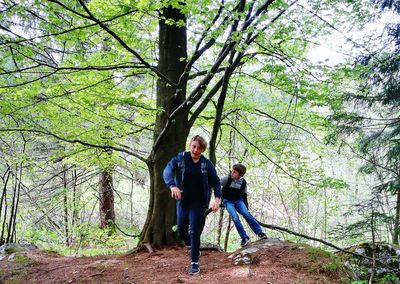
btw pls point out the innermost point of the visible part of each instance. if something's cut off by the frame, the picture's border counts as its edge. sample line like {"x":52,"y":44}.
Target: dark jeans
{"x":189,"y":218}
{"x":235,"y":207}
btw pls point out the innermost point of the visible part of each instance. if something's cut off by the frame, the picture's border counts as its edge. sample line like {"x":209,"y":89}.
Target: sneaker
{"x":262,"y":235}
{"x":245,"y":241}
{"x":194,"y":268}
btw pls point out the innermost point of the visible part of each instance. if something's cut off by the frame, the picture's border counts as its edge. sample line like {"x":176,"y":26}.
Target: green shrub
{"x":85,"y":239}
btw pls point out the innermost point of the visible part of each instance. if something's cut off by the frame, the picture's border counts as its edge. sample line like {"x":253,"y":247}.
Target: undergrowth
{"x":84,"y":241}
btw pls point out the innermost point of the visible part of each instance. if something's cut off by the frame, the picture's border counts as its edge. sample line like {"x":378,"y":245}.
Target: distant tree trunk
{"x":221,"y":215}
{"x":11,"y":230}
{"x":213,"y":144}
{"x":74,"y":197}
{"x":373,"y":268}
{"x":220,"y":225}
{"x":131,"y":198}
{"x":107,"y":214}
{"x":397,"y":220}
{"x":325,"y":229}
{"x":65,"y":201}
{"x":228,"y":229}
{"x":220,"y":105}
{"x":9,"y":223}
{"x":161,"y":217}
{"x":3,"y":201}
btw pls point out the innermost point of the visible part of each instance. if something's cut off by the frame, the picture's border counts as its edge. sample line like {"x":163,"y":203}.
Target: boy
{"x":234,"y":198}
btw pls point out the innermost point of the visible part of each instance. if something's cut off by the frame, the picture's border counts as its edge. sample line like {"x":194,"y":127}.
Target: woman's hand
{"x":216,"y":204}
{"x":176,"y":193}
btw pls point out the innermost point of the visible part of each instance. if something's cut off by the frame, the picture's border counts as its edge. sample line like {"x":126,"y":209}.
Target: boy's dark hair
{"x":241,"y":169}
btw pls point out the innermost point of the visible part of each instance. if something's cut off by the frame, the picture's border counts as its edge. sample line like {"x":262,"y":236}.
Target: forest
{"x":96,"y":97}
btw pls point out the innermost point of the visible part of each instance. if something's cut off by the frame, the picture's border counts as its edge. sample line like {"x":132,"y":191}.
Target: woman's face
{"x":196,"y":150}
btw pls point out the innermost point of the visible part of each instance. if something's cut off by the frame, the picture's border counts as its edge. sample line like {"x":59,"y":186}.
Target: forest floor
{"x":273,"y":262}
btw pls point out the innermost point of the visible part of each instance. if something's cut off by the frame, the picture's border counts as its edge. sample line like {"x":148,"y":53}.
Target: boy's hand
{"x":216,"y":204}
{"x":176,"y":193}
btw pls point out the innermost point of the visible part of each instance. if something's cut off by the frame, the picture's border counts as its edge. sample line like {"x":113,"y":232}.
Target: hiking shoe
{"x":194,"y":268}
{"x":262,"y":235}
{"x":245,"y":242}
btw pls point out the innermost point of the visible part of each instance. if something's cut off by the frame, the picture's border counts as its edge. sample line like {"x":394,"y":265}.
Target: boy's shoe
{"x":245,"y":241}
{"x":262,"y":235}
{"x":194,"y":268}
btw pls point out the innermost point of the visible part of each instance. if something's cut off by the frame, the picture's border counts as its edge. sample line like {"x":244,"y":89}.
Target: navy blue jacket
{"x":174,"y":174}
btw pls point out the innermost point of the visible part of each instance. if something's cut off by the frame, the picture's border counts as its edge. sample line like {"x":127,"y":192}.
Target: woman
{"x":190,"y":176}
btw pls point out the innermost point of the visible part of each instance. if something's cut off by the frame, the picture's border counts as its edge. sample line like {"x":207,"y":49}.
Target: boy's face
{"x":196,"y":150}
{"x":235,"y":175}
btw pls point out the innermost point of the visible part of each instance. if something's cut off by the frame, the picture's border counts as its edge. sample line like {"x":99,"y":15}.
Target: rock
{"x":249,"y":250}
{"x":210,"y":246}
{"x":12,"y":256}
{"x":387,"y":254}
{"x":269,"y":242}
{"x":241,"y":259}
{"x":247,"y":254}
{"x":11,"y":248}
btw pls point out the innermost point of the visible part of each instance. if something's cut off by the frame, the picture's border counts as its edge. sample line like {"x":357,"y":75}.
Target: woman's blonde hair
{"x":201,"y":140}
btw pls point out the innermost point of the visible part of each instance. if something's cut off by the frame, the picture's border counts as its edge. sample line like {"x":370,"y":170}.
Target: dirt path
{"x":273,"y":263}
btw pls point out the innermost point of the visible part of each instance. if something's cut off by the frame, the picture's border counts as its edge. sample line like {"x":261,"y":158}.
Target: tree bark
{"x":107,"y":213}
{"x":220,"y":225}
{"x":228,"y":229}
{"x":74,"y":197}
{"x":373,"y":268}
{"x":14,"y":205}
{"x":3,"y":200}
{"x":397,"y":220}
{"x":65,"y":202}
{"x":170,"y":134}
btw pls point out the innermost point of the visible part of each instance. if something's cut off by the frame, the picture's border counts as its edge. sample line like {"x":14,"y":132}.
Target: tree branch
{"x":76,"y":141}
{"x":285,"y":123}
{"x":125,"y":45}
{"x":273,"y":227}
{"x":265,"y":155}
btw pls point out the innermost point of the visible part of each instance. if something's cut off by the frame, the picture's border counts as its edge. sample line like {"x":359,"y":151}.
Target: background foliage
{"x":78,"y":97}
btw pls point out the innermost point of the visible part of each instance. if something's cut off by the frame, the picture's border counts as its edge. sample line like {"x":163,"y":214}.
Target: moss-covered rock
{"x":387,"y":259}
{"x":8,"y":249}
{"x":14,"y":262}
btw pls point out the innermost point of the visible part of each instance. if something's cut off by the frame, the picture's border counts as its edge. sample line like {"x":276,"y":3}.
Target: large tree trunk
{"x":107,"y":213}
{"x":170,"y":134}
